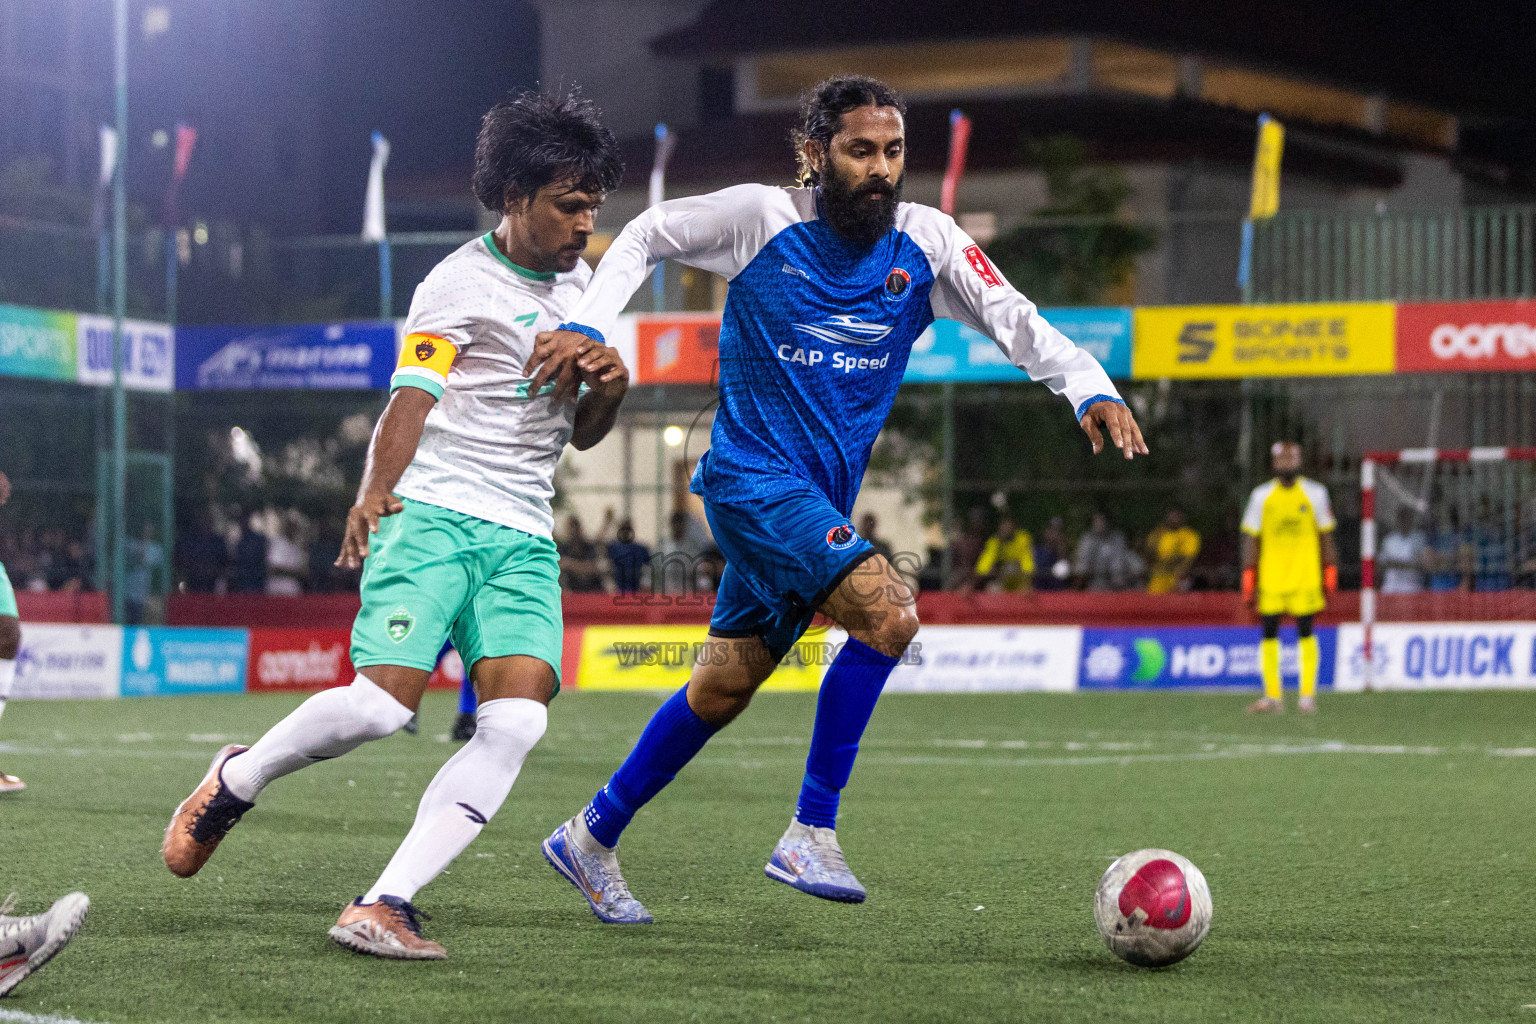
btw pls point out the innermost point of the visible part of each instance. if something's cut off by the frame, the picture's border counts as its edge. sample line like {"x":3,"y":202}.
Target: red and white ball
{"x":1153,"y":908}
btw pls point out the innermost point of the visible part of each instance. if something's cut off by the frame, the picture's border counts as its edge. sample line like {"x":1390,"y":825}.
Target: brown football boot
{"x":11,"y":784}
{"x":1266,"y":706}
{"x":203,"y":819}
{"x":390,"y":928}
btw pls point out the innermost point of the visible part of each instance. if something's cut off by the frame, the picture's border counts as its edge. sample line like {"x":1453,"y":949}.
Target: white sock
{"x":329,"y":724}
{"x":7,"y":677}
{"x":466,"y":794}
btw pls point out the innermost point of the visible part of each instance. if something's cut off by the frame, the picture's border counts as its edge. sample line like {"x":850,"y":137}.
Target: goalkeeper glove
{"x":1331,"y":579}
{"x":1250,"y":578}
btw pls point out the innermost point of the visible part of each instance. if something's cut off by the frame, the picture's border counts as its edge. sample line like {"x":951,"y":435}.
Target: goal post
{"x":1448,"y":542}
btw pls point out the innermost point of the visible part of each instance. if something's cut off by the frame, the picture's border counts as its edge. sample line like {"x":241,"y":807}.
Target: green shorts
{"x":433,"y":574}
{"x":7,"y":596}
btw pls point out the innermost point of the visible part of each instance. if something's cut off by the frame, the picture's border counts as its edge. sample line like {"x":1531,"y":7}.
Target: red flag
{"x":186,"y":138}
{"x":959,"y":139}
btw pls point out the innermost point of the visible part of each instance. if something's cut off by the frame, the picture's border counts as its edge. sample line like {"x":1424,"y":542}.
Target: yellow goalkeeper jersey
{"x":1288,"y":521}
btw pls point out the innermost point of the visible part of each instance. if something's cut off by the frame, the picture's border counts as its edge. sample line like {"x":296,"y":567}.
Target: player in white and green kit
{"x":452,"y":523}
{"x":10,"y":642}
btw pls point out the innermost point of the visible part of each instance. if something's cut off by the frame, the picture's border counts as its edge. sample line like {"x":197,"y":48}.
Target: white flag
{"x":664,"y":143}
{"x":108,"y":154}
{"x":373,"y":206}
{"x":104,"y":183}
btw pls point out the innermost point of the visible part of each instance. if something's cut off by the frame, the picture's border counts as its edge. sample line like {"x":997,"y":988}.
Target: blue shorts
{"x":783,"y":555}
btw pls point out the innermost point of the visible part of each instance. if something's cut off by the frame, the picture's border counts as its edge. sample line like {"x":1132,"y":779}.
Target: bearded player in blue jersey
{"x":830,"y":284}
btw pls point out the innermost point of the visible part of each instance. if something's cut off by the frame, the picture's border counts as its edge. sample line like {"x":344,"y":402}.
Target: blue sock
{"x":847,"y":699}
{"x":467,"y":702}
{"x":671,"y":738}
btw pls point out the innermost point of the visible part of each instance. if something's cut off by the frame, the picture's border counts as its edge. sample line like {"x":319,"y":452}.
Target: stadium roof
{"x":1473,"y":57}
{"x":1118,"y":128}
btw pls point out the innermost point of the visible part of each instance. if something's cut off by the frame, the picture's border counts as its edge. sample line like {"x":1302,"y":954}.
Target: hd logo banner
{"x":1191,"y":656}
{"x":1297,"y":340}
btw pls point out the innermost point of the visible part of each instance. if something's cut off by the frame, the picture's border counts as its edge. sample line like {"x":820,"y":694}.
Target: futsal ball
{"x":1153,"y":908}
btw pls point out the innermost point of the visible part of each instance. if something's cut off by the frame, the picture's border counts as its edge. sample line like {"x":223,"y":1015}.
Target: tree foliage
{"x":1076,"y":262}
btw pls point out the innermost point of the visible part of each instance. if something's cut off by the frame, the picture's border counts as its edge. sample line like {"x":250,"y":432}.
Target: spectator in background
{"x":869,"y":529}
{"x":680,"y":558}
{"x":203,"y":556}
{"x":966,"y":549}
{"x":71,"y":570}
{"x":250,"y":558}
{"x":145,"y":557}
{"x":1402,"y":557}
{"x":1490,"y":550}
{"x":579,"y":569}
{"x":627,"y":557}
{"x":1103,"y":560}
{"x":1007,"y":560}
{"x":1446,"y":556}
{"x":325,"y":577}
{"x":1171,"y":550}
{"x":1052,"y":567}
{"x":285,"y":557}
{"x":1525,"y":557}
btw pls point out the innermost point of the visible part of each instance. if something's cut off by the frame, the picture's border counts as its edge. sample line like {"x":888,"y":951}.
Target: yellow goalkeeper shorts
{"x":1307,"y":601}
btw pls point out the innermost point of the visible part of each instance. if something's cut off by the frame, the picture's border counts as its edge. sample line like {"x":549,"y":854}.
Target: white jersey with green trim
{"x":487,"y":450}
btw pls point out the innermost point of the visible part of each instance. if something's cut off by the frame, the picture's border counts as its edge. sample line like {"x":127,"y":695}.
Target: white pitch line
{"x":22,"y":1017}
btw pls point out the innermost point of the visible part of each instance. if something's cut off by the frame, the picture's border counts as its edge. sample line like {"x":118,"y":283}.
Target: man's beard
{"x":860,"y":220}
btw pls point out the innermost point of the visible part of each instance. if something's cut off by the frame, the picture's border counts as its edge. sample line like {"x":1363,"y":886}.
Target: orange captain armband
{"x":425,"y":360}
{"x":1331,"y":579}
{"x":1250,"y":580}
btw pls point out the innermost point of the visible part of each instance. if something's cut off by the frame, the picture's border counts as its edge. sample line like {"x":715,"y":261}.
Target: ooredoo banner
{"x":1459,"y":337}
{"x":299,"y":659}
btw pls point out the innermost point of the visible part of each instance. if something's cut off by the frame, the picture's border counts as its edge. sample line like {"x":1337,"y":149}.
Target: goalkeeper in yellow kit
{"x":1289,"y":563}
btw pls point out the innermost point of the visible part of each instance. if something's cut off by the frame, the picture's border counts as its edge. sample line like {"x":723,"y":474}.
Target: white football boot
{"x":26,"y":943}
{"x":811,"y":860}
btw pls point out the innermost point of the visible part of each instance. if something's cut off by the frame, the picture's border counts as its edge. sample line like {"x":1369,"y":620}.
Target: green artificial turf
{"x":1372,"y":863}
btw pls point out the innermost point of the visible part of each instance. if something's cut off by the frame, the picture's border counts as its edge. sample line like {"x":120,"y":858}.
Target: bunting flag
{"x":186,"y":138}
{"x":1266,"y":169}
{"x":373,"y":205}
{"x":104,"y":182}
{"x":959,"y":141}
{"x":1265,"y":200}
{"x":664,"y":143}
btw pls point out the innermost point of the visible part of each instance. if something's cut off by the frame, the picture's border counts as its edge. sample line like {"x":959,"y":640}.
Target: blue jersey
{"x":816,"y":333}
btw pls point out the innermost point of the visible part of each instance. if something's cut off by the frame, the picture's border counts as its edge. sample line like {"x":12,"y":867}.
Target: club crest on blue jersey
{"x":841,"y":538}
{"x":897,"y":282}
{"x":846,"y":329}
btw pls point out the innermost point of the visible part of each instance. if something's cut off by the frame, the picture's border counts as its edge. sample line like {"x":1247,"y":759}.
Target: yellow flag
{"x":1266,"y":169}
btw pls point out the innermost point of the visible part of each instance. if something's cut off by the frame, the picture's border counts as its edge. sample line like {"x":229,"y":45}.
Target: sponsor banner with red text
{"x":1461,"y":337}
{"x":299,"y":659}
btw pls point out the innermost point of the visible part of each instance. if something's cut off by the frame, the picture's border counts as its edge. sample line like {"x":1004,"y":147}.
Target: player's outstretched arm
{"x":607,"y":380}
{"x":390,"y":451}
{"x":1117,"y":420}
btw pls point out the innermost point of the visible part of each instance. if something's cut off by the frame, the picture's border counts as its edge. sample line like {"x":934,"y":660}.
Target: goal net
{"x":1448,"y":571}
